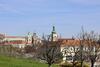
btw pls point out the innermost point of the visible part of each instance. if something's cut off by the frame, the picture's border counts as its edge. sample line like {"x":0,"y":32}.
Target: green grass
{"x":16,"y":62}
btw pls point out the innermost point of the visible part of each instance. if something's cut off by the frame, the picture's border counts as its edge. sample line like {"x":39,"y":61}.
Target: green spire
{"x":53,"y":29}
{"x":53,"y":34}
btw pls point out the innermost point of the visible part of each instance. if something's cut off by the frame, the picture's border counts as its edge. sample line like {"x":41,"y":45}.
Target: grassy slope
{"x":14,"y":62}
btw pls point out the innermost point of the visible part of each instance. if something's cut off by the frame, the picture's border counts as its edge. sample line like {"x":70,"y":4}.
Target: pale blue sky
{"x":17,"y":17}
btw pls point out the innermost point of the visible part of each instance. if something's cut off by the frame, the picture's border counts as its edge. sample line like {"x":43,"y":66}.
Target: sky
{"x":17,"y":17}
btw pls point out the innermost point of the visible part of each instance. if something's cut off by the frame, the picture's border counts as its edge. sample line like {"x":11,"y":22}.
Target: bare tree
{"x":89,"y":47}
{"x":93,"y":47}
{"x":75,"y":52}
{"x":49,"y":51}
{"x":82,"y":53}
{"x":2,"y":39}
{"x":72,"y":51}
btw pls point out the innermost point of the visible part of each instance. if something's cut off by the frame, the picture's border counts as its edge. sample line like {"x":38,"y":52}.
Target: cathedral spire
{"x":53,"y":31}
{"x":54,"y":34}
{"x":53,"y":28}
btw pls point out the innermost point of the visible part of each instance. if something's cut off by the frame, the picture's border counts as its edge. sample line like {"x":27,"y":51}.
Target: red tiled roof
{"x":67,"y":42}
{"x":14,"y":36}
{"x":66,"y":39}
{"x":16,"y":42}
{"x":75,"y":42}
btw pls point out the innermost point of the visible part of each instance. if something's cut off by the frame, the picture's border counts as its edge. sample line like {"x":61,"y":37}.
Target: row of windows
{"x":76,"y":48}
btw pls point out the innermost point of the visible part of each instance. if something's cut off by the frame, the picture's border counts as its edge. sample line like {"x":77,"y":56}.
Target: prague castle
{"x":68,"y":46}
{"x":19,"y":41}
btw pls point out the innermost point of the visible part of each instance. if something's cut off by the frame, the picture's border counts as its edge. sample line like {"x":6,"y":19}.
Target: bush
{"x":79,"y":65}
{"x":66,"y":64}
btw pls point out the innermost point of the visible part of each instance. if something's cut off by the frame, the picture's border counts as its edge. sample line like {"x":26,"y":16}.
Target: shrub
{"x":79,"y":65}
{"x":66,"y":64}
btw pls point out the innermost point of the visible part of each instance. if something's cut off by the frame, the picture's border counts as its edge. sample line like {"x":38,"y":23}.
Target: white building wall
{"x":11,"y":39}
{"x":69,"y":52}
{"x":19,"y":45}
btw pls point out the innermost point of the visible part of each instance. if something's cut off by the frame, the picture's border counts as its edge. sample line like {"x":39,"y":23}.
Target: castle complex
{"x":19,"y":41}
{"x":68,"y":46}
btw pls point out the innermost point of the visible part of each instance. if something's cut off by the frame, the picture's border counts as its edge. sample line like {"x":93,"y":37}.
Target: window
{"x":68,"y":57}
{"x":71,"y":48}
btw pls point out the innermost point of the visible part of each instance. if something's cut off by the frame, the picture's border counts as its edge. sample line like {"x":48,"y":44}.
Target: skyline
{"x":17,"y":17}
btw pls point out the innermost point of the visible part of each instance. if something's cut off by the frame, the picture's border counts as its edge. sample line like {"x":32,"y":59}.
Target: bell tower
{"x":54,"y":35}
{"x":29,"y":38}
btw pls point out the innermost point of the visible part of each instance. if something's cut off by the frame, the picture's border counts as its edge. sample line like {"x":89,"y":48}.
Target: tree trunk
{"x":49,"y":65}
{"x":74,"y":64}
{"x":92,"y":64}
{"x":81,"y":63}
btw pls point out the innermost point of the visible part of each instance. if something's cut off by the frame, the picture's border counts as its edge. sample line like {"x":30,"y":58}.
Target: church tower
{"x":54,"y":35}
{"x":29,"y":38}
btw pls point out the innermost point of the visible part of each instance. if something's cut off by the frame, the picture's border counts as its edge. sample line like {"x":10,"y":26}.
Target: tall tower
{"x":29,"y":38}
{"x":54,"y":35}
